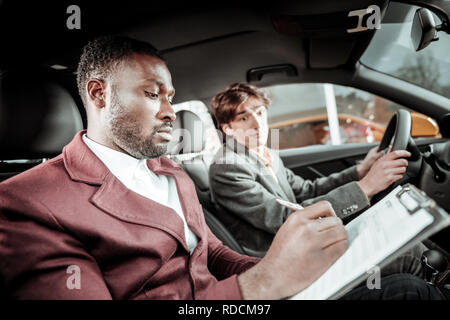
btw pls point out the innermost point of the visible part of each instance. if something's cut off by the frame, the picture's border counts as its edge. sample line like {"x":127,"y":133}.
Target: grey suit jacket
{"x":245,"y":192}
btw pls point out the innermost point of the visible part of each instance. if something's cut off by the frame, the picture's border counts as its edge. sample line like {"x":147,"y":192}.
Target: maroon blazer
{"x":71,"y":211}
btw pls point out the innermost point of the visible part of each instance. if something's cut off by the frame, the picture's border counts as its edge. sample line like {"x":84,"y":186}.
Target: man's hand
{"x":302,"y":250}
{"x":372,"y":156}
{"x":384,"y":172}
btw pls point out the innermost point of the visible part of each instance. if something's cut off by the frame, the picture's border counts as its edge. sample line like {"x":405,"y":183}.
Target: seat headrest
{"x":188,"y":134}
{"x":37,"y":117}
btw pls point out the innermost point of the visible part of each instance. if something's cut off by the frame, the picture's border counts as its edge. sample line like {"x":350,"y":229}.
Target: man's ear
{"x":96,"y":92}
{"x":227,"y":129}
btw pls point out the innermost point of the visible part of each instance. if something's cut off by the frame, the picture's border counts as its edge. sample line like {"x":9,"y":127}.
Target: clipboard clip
{"x":413,"y":199}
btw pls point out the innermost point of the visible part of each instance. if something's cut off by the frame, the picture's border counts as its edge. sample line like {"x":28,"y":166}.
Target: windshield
{"x":391,"y":51}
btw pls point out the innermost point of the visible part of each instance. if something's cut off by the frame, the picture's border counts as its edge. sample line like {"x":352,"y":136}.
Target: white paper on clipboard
{"x":375,"y":235}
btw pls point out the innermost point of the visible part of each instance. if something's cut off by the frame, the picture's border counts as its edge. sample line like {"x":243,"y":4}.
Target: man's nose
{"x":166,"y":112}
{"x":256,"y":122}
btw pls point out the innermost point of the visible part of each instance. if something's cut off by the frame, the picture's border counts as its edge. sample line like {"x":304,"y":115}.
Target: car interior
{"x":208,"y":47}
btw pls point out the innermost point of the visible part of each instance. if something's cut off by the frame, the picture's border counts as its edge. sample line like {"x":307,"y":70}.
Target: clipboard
{"x":416,"y":202}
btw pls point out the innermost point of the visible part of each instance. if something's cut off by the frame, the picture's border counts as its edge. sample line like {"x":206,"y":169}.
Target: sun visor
{"x":334,"y":36}
{"x":330,"y":53}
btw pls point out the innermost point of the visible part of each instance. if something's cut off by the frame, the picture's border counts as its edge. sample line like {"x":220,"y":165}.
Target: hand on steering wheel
{"x":384,"y":172}
{"x":398,"y":135}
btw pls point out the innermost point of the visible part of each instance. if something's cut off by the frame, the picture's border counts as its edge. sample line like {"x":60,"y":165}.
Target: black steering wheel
{"x":398,"y":135}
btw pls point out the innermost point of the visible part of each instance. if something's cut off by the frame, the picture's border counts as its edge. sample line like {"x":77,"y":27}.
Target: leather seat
{"x":186,"y":148}
{"x":38,"y":118}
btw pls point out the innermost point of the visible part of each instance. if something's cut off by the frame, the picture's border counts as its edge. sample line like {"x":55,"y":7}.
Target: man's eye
{"x":151,"y":94}
{"x":244,"y":119}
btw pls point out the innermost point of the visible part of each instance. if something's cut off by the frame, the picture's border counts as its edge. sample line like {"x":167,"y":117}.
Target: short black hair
{"x":101,"y":55}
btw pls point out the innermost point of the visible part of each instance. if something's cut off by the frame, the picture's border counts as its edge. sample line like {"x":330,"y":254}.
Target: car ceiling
{"x":207,"y":46}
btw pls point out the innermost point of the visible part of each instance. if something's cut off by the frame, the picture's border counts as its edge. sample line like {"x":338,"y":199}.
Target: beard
{"x":124,"y":130}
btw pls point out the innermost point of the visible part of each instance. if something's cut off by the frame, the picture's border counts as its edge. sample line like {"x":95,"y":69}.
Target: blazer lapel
{"x":281,"y":175}
{"x":187,"y":194}
{"x":119,"y":201}
{"x":278,"y":187}
{"x":113,"y":197}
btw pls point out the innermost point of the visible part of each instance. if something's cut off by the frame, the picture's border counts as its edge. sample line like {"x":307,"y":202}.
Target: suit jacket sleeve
{"x":235,"y":188}
{"x":340,"y":189}
{"x":225,"y":264}
{"x":36,"y":256}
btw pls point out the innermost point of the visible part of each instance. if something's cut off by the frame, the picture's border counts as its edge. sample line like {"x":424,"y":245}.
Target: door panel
{"x":316,"y":161}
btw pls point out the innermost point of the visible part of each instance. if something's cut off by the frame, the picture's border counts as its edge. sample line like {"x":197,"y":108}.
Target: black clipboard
{"x":441,"y":219}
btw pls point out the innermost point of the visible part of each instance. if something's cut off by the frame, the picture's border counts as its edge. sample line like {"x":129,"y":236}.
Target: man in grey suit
{"x":246,"y":177}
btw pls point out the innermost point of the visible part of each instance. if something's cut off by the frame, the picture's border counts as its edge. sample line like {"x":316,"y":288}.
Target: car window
{"x":428,"y":68}
{"x":310,"y":114}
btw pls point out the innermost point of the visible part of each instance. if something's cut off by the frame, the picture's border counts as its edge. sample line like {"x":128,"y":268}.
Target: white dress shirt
{"x":136,"y":176}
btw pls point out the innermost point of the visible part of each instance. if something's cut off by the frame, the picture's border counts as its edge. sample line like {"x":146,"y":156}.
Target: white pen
{"x":290,"y":205}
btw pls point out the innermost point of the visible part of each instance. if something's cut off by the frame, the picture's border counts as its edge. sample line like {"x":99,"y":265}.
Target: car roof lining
{"x":168,"y":27}
{"x":226,"y":38}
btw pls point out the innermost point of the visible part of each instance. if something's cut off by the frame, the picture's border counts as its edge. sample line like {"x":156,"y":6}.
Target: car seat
{"x":38,"y":118}
{"x":187,"y":149}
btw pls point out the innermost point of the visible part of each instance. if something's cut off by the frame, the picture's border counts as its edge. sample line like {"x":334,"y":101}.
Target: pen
{"x":290,"y":205}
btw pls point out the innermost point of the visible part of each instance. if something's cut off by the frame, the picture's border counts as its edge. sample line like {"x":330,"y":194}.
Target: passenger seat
{"x":186,"y":148}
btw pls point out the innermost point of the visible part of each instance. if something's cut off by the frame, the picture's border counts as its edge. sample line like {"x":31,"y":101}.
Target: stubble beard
{"x":123,"y":129}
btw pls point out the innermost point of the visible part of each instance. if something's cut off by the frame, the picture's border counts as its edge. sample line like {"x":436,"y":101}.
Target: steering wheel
{"x":398,"y":135}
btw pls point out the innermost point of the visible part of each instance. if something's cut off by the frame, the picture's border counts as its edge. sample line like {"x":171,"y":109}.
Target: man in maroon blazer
{"x":112,"y":218}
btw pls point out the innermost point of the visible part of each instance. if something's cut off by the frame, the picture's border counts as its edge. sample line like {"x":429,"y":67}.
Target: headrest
{"x":188,"y":134}
{"x":37,"y":117}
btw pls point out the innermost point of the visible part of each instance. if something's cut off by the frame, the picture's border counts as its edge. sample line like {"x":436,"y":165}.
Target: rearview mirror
{"x":423,"y":30}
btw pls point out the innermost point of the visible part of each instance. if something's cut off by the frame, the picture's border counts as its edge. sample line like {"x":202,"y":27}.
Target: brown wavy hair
{"x":225,"y":103}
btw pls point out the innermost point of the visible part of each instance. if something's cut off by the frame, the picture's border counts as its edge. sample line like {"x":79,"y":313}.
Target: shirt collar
{"x":120,"y":164}
{"x":263,"y":153}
